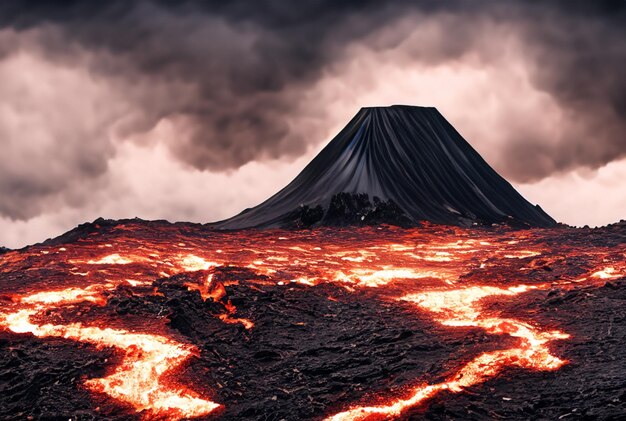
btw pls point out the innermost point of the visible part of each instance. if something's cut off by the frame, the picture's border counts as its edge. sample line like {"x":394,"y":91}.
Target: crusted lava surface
{"x":150,"y":320}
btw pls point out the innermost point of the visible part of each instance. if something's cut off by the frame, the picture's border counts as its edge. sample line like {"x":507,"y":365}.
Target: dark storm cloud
{"x":579,"y":53}
{"x":230,"y":75}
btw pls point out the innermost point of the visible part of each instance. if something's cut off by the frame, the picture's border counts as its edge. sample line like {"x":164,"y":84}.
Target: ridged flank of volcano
{"x":405,"y":156}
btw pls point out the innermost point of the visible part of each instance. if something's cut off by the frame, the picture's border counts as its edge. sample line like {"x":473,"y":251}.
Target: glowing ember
{"x":607,"y":273}
{"x":376,"y":278}
{"x":111,"y":259}
{"x":215,"y":291}
{"x":192,"y":263}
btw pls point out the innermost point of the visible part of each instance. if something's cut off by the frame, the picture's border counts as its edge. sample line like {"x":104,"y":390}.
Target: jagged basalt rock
{"x":347,"y":209}
{"x":356,"y":209}
{"x":305,"y":216}
{"x":411,"y":163}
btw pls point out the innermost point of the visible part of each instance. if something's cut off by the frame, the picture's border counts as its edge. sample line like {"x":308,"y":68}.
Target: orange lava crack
{"x":139,"y":379}
{"x":214,"y":290}
{"x":442,"y":273}
{"x":461,"y":308}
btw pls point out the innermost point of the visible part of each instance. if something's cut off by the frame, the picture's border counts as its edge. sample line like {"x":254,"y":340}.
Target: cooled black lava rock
{"x":83,"y":231}
{"x":317,"y":350}
{"x":408,"y":158}
{"x":350,"y":209}
{"x":4,"y":250}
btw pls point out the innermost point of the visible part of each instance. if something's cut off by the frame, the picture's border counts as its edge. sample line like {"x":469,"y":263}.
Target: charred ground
{"x":319,"y":347}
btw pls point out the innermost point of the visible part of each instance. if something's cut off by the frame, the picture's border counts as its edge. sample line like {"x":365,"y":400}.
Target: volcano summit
{"x":142,"y":320}
{"x":400,"y":165}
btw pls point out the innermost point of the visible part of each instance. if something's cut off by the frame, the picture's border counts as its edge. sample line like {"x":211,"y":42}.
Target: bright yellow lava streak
{"x":140,"y":379}
{"x":460,"y":307}
{"x":410,"y":261}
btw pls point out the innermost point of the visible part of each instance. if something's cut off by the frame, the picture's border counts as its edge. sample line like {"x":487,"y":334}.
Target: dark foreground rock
{"x":347,"y":209}
{"x":317,"y":349}
{"x":308,"y":355}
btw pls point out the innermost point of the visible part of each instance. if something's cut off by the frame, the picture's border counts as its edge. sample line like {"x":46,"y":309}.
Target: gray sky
{"x":189,"y":112}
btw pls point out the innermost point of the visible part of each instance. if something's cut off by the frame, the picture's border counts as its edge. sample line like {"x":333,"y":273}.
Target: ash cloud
{"x":231,"y":79}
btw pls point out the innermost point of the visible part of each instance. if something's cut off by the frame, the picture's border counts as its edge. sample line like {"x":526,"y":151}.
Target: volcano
{"x":149,"y":320}
{"x":400,"y":165}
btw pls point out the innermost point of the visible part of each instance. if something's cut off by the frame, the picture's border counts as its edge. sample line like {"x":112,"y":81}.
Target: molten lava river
{"x":151,"y":320}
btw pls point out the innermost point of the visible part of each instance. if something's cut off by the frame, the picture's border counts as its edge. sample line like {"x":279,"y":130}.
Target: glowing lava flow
{"x":140,"y":379}
{"x":215,"y":291}
{"x":460,"y":308}
{"x":412,"y":265}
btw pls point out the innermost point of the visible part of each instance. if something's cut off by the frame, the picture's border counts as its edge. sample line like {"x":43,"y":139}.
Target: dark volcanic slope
{"x":406,"y":156}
